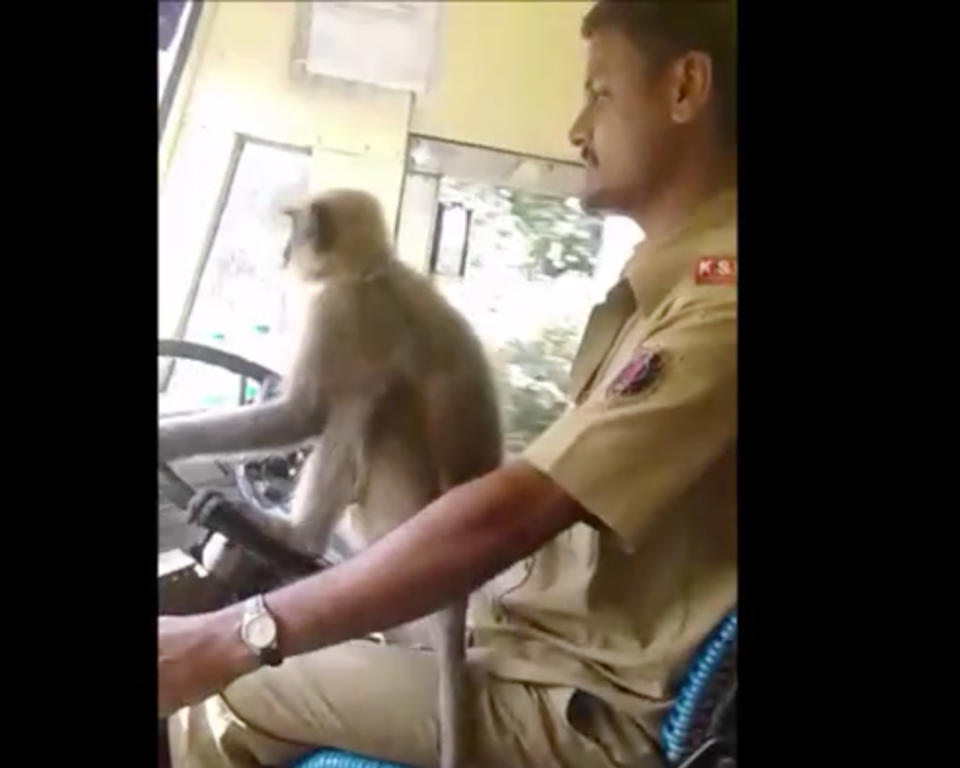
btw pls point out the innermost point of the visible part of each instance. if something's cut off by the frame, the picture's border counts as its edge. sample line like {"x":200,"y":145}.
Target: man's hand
{"x":197,"y":656}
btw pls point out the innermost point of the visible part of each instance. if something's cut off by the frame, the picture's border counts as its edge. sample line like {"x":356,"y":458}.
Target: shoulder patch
{"x":638,"y":374}
{"x":716,"y":270}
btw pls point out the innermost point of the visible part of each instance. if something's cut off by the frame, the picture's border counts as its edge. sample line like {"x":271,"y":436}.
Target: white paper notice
{"x":386,"y":44}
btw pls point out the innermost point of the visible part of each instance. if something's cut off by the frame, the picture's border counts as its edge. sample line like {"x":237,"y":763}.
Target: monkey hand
{"x":236,"y":520}
{"x":208,"y":506}
{"x":259,"y":534}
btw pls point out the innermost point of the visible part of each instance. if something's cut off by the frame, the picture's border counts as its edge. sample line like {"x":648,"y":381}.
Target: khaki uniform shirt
{"x":650,"y":451}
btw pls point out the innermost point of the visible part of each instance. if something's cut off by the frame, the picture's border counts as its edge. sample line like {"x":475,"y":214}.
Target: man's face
{"x":624,"y":129}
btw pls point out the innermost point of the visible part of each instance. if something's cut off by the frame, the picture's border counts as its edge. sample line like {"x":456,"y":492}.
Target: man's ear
{"x":692,"y":86}
{"x":323,"y":226}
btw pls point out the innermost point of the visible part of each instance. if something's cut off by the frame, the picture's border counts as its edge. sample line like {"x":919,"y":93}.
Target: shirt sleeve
{"x":625,"y":453}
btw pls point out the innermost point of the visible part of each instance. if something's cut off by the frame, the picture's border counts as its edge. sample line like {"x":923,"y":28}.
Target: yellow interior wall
{"x":508,"y":76}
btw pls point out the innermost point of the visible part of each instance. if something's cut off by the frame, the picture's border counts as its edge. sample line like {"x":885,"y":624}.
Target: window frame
{"x":240,"y":141}
{"x":191,"y":12}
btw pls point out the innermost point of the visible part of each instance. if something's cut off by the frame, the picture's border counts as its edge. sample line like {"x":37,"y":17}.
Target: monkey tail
{"x":455,"y":712}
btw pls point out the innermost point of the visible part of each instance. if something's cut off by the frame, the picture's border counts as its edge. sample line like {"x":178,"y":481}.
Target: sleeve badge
{"x":716,"y":270}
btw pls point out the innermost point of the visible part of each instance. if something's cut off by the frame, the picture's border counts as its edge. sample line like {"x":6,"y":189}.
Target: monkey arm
{"x":485,"y":525}
{"x":277,"y":423}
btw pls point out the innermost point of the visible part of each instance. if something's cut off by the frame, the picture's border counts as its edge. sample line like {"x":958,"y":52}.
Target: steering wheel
{"x":253,"y":477}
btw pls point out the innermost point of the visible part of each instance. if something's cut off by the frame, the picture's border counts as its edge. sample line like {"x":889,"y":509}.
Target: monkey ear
{"x":324,"y":228}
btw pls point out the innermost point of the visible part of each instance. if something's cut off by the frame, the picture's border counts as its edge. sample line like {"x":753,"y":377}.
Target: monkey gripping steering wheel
{"x":265,"y":483}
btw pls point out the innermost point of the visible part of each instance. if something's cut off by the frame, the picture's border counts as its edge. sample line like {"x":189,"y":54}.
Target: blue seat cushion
{"x":335,"y":758}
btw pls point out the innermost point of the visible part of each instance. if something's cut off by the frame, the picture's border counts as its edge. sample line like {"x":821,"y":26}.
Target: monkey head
{"x":340,"y":232}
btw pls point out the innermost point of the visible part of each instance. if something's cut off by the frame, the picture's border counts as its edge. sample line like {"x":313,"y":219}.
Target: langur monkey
{"x":393,"y":387}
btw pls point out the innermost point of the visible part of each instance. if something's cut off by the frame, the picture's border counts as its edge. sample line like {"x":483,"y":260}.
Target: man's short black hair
{"x":663,"y":29}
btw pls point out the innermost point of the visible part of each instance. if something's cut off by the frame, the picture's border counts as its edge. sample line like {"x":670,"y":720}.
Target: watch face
{"x":260,"y":632}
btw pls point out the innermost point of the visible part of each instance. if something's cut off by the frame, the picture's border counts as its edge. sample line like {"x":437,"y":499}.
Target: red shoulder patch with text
{"x":638,"y":374}
{"x":716,"y":270}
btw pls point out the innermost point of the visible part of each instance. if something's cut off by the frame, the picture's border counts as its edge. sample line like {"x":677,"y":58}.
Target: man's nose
{"x":578,"y":131}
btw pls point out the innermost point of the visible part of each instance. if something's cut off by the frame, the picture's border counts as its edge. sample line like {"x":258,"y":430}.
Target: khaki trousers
{"x":381,"y":701}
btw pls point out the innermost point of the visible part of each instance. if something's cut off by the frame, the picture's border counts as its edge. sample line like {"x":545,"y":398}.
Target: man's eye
{"x":595,"y":95}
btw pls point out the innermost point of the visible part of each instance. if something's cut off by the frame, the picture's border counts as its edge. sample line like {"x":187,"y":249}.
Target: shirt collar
{"x":657,"y":266}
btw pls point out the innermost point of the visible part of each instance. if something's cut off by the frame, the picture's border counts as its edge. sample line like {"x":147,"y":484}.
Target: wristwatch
{"x":259,"y":631}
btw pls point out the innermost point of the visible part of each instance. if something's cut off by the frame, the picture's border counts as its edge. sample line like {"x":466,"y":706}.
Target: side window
{"x":240,"y":304}
{"x":508,"y":245}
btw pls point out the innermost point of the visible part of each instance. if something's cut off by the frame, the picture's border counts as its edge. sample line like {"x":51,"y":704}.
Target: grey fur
{"x":397,"y":385}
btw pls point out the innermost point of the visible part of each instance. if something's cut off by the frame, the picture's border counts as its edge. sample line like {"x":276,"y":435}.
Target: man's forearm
{"x":446,"y":551}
